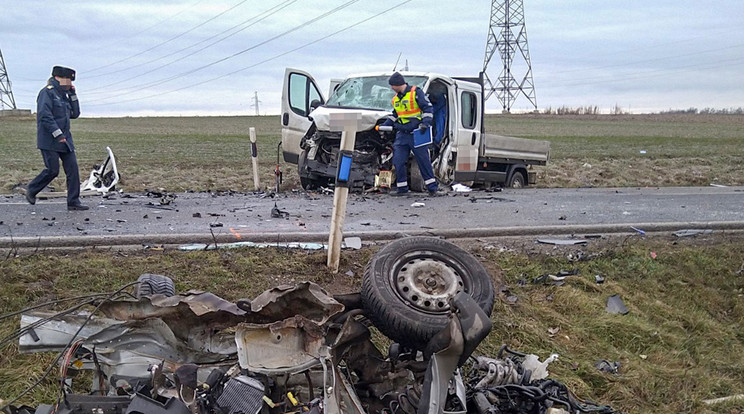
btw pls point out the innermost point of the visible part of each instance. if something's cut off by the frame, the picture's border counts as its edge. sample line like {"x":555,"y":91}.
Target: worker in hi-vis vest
{"x":411,"y":111}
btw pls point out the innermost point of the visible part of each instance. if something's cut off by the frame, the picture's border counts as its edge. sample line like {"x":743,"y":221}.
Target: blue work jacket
{"x":54,"y":109}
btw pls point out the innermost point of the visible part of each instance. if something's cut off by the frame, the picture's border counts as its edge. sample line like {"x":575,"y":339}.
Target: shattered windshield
{"x":368,"y":92}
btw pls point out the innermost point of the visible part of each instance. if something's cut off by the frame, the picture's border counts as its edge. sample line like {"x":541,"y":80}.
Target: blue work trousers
{"x":403,"y":146}
{"x":51,"y":162}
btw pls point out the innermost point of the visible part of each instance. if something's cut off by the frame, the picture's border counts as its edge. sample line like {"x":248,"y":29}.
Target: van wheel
{"x":408,"y":284}
{"x":151,"y":284}
{"x":517,"y":180}
{"x":416,"y":182}
{"x":305,"y":181}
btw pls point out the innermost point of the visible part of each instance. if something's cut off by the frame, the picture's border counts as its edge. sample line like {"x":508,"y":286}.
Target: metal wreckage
{"x":296,"y":349}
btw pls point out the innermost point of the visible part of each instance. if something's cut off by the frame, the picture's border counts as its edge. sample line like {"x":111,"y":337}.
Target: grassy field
{"x":213,"y":153}
{"x":681,"y":343}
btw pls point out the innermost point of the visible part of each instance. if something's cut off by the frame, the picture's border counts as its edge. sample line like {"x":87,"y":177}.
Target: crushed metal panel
{"x":53,"y":335}
{"x":292,"y":345}
{"x":285,"y":301}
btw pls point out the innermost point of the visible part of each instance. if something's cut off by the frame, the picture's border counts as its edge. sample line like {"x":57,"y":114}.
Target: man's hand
{"x":72,"y":89}
{"x":423,"y":127}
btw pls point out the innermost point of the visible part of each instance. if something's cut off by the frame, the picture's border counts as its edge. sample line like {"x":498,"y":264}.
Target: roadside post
{"x":347,"y":123}
{"x":254,"y":158}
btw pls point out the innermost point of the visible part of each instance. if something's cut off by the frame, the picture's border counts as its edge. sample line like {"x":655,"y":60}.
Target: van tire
{"x":518,"y":179}
{"x":151,"y":284}
{"x":396,"y":280}
{"x":305,"y":182}
{"x":416,"y":182}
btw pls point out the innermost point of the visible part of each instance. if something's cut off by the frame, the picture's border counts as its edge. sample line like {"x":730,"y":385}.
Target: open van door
{"x":300,"y":95}
{"x":468,"y":129}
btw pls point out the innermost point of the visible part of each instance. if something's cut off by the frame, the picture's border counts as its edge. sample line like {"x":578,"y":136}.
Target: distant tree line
{"x":617,"y":110}
{"x":706,"y":111}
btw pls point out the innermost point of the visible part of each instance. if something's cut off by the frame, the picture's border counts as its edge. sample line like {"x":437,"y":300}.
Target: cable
{"x":59,"y":355}
{"x":263,"y":61}
{"x":293,"y":29}
{"x":53,"y":302}
{"x":269,"y":12}
{"x":164,"y":42}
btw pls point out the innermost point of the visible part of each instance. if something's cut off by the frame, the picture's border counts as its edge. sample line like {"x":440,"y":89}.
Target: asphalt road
{"x":142,"y":219}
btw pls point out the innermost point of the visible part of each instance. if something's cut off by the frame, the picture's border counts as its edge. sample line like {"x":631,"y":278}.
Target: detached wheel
{"x":150,"y":284}
{"x":408,"y":284}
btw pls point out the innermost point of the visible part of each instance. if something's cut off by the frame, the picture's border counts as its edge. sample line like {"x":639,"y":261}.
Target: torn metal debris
{"x":297,"y":348}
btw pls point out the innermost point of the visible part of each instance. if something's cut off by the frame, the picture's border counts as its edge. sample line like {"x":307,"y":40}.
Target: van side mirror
{"x":314,"y":104}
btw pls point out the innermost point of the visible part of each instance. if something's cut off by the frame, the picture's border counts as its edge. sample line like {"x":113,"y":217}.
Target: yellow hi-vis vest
{"x":406,"y":107}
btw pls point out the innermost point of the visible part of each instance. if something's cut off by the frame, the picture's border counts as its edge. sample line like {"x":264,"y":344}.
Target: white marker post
{"x":348,"y":123}
{"x":254,"y":158}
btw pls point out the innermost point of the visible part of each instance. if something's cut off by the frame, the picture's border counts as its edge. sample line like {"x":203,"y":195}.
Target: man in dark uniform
{"x":56,"y":104}
{"x":411,"y":110}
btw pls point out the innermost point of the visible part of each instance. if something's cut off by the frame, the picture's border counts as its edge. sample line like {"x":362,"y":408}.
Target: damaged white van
{"x":461,"y":152}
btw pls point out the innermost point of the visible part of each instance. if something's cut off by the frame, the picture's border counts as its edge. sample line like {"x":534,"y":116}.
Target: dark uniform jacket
{"x":54,"y":109}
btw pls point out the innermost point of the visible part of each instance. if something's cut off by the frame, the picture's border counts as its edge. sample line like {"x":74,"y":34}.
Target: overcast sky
{"x":209,"y":57}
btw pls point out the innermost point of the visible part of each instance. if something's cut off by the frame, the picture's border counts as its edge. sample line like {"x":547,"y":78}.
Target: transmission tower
{"x":507,"y":34}
{"x":6,"y":93}
{"x":255,"y":101}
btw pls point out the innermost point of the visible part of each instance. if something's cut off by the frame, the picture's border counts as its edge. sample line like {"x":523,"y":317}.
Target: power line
{"x":258,"y":18}
{"x":189,"y":7}
{"x":265,"y":60}
{"x":163,"y":42}
{"x":192,"y":71}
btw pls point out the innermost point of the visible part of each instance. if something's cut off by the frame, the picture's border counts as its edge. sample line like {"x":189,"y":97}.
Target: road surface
{"x":142,"y":219}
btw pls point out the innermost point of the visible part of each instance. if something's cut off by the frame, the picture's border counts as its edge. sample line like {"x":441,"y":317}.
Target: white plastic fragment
{"x":460,"y":188}
{"x":539,"y":369}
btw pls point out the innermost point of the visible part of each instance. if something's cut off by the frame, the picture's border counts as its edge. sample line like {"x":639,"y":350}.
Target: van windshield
{"x":368,"y":92}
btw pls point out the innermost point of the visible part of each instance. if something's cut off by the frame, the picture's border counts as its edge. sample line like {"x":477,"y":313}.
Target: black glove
{"x":423,"y":127}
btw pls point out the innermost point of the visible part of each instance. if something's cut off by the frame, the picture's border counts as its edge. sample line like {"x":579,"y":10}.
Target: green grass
{"x":176,"y":154}
{"x":681,"y":343}
{"x":213,"y":153}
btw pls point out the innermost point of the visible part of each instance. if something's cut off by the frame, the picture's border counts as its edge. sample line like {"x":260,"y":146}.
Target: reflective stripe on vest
{"x":406,"y":107}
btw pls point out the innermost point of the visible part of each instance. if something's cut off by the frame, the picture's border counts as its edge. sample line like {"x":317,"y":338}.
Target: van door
{"x":299,"y":93}
{"x":468,"y":121}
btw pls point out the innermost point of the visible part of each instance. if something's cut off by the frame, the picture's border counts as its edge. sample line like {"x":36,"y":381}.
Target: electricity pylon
{"x":507,"y":34}
{"x":6,"y":93}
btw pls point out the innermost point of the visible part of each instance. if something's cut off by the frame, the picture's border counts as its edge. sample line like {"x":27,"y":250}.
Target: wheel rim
{"x":427,"y":284}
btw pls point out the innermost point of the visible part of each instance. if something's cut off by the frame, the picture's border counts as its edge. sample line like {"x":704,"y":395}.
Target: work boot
{"x":77,"y":207}
{"x":31,"y":199}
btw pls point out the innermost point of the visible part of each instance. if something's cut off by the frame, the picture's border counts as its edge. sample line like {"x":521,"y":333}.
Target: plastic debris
{"x":599,"y":279}
{"x":353,"y":243}
{"x":615,"y":305}
{"x":607,"y":366}
{"x":692,"y":232}
{"x":276,"y":213}
{"x":565,"y":242}
{"x":641,"y":232}
{"x":418,"y":204}
{"x":460,"y":188}
{"x":539,"y":369}
{"x":237,"y":245}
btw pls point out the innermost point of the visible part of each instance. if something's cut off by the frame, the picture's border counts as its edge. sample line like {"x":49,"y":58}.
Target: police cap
{"x":63,"y":72}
